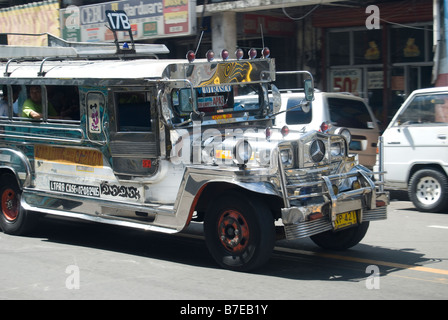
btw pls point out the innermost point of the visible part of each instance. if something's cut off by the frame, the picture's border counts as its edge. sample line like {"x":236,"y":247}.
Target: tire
{"x":239,"y":232}
{"x":341,"y":240}
{"x":13,"y":218}
{"x":428,"y":190}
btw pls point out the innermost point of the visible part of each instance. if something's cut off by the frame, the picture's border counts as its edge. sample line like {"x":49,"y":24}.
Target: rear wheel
{"x":341,"y":240}
{"x":239,"y":232}
{"x":428,"y":190}
{"x":13,"y":218}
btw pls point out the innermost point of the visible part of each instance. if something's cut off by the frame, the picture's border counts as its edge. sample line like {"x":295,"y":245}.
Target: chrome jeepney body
{"x":169,"y":174}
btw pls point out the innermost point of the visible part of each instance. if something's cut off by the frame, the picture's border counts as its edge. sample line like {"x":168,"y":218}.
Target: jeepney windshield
{"x":218,"y":99}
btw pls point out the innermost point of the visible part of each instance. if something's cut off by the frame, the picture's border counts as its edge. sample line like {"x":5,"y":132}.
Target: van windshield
{"x":218,"y":99}
{"x":349,"y":113}
{"x":432,"y":108}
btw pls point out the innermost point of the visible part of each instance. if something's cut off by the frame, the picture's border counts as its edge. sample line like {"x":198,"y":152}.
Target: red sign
{"x":175,"y":15}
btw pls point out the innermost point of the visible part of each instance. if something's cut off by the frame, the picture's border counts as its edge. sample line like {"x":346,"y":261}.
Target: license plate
{"x":346,"y":219}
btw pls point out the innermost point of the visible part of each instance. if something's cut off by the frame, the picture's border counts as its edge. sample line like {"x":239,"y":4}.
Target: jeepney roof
{"x":89,"y":69}
{"x":85,"y":61}
{"x":200,"y":72}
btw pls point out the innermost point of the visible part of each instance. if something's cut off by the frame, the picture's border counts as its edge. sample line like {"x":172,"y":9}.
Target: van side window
{"x":349,"y":113}
{"x":133,"y":111}
{"x":426,"y":109}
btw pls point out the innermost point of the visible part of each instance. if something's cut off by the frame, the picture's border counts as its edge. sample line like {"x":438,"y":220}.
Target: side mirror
{"x":309,"y":89}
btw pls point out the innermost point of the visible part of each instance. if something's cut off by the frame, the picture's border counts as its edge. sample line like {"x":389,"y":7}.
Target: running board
{"x":99,"y":219}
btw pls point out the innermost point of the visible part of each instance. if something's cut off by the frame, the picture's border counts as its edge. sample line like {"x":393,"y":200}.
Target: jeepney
{"x":156,"y":144}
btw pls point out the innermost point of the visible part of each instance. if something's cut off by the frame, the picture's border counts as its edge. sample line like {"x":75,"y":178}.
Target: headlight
{"x":242,"y":152}
{"x":336,"y":149}
{"x":345,"y":133}
{"x":286,"y":156}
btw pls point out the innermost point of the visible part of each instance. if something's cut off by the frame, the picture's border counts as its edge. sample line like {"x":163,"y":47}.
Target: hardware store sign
{"x":149,"y":20}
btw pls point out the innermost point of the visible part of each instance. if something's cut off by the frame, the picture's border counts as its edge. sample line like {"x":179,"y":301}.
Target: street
{"x":404,"y":257}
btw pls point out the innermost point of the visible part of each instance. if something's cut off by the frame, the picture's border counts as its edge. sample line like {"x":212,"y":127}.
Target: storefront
{"x":384,"y":64}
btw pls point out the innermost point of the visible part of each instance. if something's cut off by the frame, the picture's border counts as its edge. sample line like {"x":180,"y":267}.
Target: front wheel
{"x":239,"y":232}
{"x":428,"y":190}
{"x":341,"y":240}
{"x":13,"y":218}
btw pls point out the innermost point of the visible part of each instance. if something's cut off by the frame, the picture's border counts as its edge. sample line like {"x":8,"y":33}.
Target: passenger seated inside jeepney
{"x":4,"y":101}
{"x":32,"y":107}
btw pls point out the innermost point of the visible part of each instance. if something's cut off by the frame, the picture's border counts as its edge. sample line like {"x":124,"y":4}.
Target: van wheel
{"x":428,"y":190}
{"x":239,"y":232}
{"x":341,"y":240}
{"x":13,"y":218}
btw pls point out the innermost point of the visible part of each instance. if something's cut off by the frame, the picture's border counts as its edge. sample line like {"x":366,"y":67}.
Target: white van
{"x":339,"y":109}
{"x":416,"y":149}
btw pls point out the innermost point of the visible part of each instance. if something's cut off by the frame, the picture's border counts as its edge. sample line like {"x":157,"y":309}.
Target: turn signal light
{"x":266,"y":52}
{"x":325,"y":126}
{"x":239,"y":53}
{"x":224,"y":54}
{"x":210,"y":55}
{"x":252,"y":53}
{"x":190,"y":56}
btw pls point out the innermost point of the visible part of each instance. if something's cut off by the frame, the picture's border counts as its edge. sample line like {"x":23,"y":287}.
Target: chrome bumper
{"x":318,"y":212}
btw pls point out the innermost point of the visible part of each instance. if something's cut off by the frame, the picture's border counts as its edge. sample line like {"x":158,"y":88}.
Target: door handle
{"x":441,"y":136}
{"x":394,"y":142}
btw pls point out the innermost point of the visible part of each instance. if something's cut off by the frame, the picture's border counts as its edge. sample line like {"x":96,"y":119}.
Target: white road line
{"x":438,"y":227}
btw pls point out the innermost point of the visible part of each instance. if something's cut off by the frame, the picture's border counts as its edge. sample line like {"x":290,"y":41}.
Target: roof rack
{"x":59,"y":49}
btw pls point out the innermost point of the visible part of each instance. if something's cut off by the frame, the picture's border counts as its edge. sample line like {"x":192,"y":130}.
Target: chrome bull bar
{"x":316,"y":216}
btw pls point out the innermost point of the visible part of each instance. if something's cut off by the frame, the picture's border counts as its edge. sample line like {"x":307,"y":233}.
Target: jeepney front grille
{"x":307,"y":178}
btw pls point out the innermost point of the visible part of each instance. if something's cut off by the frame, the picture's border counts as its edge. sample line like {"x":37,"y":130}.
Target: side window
{"x":349,"y":113}
{"x":62,"y":103}
{"x":5,"y":99}
{"x":32,"y":106}
{"x":133,"y":111}
{"x":425,"y":109}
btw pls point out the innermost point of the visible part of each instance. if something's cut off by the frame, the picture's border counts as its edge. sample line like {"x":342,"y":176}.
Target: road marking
{"x":438,"y":227}
{"x":362,"y":260}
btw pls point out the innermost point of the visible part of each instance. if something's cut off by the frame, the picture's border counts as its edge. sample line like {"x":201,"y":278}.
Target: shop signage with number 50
{"x":346,"y":80}
{"x":118,"y":20}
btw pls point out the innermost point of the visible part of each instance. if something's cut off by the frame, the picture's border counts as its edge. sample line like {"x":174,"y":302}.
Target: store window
{"x":410,"y":44}
{"x":339,"y":48}
{"x":367,"y":46}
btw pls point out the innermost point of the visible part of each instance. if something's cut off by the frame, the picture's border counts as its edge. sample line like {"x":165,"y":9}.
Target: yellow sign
{"x":32,"y":18}
{"x":70,"y":156}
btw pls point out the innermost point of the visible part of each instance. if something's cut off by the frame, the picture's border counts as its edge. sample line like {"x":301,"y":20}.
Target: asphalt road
{"x":404,"y":257}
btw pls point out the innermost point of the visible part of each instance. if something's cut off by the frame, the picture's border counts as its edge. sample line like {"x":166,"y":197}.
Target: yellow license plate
{"x":346,"y":219}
